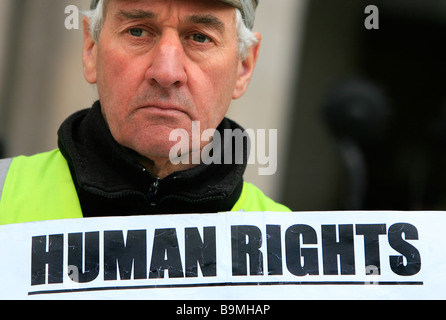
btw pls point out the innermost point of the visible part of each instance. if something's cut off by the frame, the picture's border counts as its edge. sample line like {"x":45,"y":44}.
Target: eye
{"x":201,"y":38}
{"x":136,"y":32}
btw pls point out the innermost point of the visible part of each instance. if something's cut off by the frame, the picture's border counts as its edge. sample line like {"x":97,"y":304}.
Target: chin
{"x":154,"y":149}
{"x":152,"y":144}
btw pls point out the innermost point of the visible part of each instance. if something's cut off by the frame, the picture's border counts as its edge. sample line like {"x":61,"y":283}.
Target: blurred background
{"x":360,"y":114}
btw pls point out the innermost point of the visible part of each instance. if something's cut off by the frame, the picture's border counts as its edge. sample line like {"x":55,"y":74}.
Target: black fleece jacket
{"x":110,"y":182}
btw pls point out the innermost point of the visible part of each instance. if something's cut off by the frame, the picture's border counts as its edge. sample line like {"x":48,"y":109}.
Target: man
{"x":159,"y":66}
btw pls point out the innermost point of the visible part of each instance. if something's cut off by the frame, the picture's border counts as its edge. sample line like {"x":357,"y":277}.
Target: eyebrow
{"x":205,"y":19}
{"x":136,"y":14}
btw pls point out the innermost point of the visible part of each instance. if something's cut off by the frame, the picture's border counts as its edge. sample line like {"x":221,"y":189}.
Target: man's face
{"x":161,"y":64}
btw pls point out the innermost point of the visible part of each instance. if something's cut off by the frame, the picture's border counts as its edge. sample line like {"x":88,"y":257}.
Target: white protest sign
{"x":238,"y":255}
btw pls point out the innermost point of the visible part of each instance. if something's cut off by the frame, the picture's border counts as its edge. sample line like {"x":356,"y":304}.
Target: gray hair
{"x":244,"y":25}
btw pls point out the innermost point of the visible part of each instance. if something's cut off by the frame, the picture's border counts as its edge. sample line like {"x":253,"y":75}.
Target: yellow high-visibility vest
{"x":41,"y":187}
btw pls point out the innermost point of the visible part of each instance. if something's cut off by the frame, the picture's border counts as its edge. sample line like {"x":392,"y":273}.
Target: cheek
{"x":219,"y":84}
{"x":112,"y":69}
{"x":117,"y":81}
{"x":114,"y":93}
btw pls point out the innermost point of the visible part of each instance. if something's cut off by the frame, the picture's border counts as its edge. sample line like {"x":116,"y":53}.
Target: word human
{"x":124,"y":258}
{"x":254,"y":251}
{"x":234,"y":142}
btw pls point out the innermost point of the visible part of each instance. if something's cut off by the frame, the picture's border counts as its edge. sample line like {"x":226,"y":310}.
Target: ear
{"x":89,"y":53}
{"x":246,"y":69}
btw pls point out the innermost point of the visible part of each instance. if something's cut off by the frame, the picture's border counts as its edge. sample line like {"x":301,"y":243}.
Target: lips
{"x":162,"y":108}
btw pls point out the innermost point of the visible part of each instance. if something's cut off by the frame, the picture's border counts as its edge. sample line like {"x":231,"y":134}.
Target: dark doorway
{"x":404,"y":60}
{"x":407,"y":59}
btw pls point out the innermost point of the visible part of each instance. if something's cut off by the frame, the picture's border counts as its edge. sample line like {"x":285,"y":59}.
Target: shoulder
{"x":36,"y":166}
{"x":253,"y":199}
{"x":38,"y":187}
{"x":25,"y":170}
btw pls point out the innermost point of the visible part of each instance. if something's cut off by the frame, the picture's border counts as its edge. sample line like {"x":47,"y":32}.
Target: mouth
{"x":163,"y":108}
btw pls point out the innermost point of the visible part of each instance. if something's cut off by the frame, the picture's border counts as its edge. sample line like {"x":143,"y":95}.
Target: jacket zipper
{"x":153,"y":191}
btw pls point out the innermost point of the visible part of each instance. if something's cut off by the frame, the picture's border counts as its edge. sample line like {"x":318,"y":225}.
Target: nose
{"x":168,"y":57}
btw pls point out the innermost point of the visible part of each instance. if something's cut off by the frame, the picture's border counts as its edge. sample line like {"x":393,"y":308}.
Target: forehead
{"x":156,"y":9}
